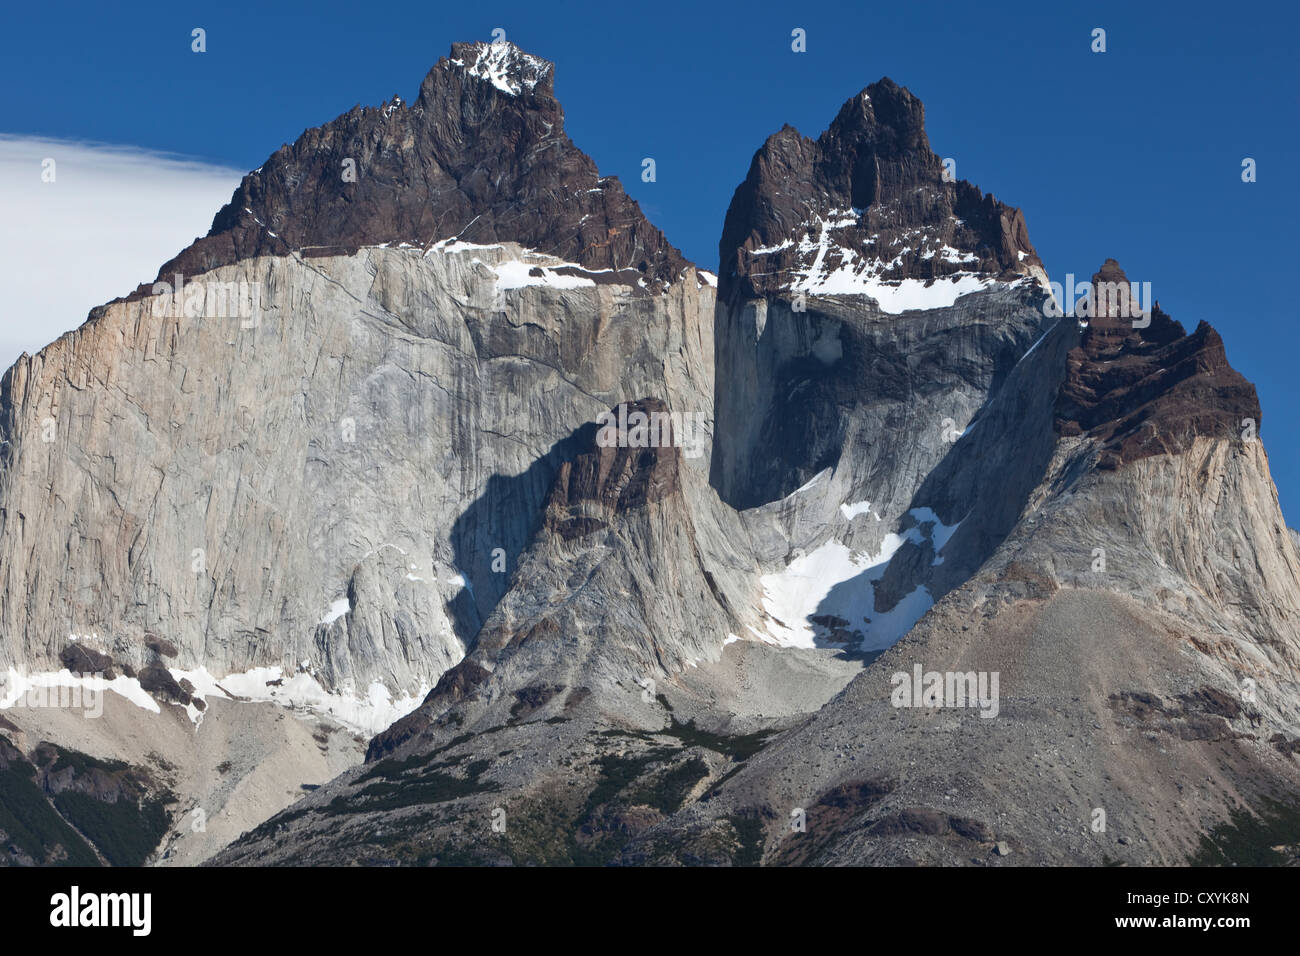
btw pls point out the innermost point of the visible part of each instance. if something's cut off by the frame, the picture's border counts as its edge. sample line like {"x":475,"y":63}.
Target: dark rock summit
{"x":866,"y":199}
{"x":480,"y":157}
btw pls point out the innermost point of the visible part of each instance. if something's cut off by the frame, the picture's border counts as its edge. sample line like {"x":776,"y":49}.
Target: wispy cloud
{"x":109,"y":219}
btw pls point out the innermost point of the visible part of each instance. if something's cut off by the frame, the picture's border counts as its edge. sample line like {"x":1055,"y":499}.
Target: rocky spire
{"x":866,"y":203}
{"x":1142,"y":385}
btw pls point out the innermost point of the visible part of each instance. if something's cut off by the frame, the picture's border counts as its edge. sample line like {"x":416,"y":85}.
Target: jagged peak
{"x":485,"y":132}
{"x":868,"y":209}
{"x":1141,"y":385}
{"x":502,"y":64}
{"x":1110,"y":271}
{"x":882,"y":110}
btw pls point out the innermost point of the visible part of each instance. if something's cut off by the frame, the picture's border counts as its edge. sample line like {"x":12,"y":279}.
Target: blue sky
{"x":1134,"y":153}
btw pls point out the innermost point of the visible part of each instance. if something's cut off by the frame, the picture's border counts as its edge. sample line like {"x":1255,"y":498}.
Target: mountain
{"x":601,"y":559}
{"x":315,"y":491}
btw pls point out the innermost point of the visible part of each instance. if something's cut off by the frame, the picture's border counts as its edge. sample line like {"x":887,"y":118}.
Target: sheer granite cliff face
{"x":1139,"y":609}
{"x":1141,"y":619}
{"x":1139,"y":614}
{"x":343,"y":488}
{"x":948,"y":475}
{"x":637,"y":573}
{"x":339,"y":480}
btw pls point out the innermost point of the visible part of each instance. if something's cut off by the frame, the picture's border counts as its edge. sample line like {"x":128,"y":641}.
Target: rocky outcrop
{"x":65,"y":808}
{"x":345,"y":486}
{"x":632,"y":469}
{"x":1137,"y":600}
{"x":1142,"y":386}
{"x":637,"y":573}
{"x":1136,"y":593}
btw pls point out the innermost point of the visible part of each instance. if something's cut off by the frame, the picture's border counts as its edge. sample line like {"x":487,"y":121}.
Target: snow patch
{"x":518,"y":275}
{"x":1037,"y":342}
{"x":17,"y":686}
{"x":456,"y":245}
{"x":340,"y":607}
{"x":370,"y":713}
{"x":836,"y":581}
{"x":836,"y":270}
{"x":939,"y":534}
{"x":792,"y":596}
{"x":851,"y":511}
{"x":507,"y":67}
{"x":767,"y":250}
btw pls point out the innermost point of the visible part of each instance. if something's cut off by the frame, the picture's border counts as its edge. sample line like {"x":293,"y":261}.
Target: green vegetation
{"x":667,"y":792}
{"x":392,"y":769}
{"x":109,"y":802}
{"x":84,"y":763}
{"x":1248,"y":839}
{"x":125,"y":831}
{"x":269,"y":827}
{"x":431,"y":786}
{"x":32,"y":824}
{"x":749,"y":831}
{"x":631,"y":792}
{"x":740,"y":747}
{"x":616,"y":774}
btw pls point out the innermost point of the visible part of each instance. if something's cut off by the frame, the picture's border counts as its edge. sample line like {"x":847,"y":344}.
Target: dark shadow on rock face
{"x":496,"y":528}
{"x":765,"y":451}
{"x":773,"y":436}
{"x":801,"y":434}
{"x":981,"y":484}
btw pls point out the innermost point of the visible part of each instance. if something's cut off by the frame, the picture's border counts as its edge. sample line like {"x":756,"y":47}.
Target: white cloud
{"x":112,"y":216}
